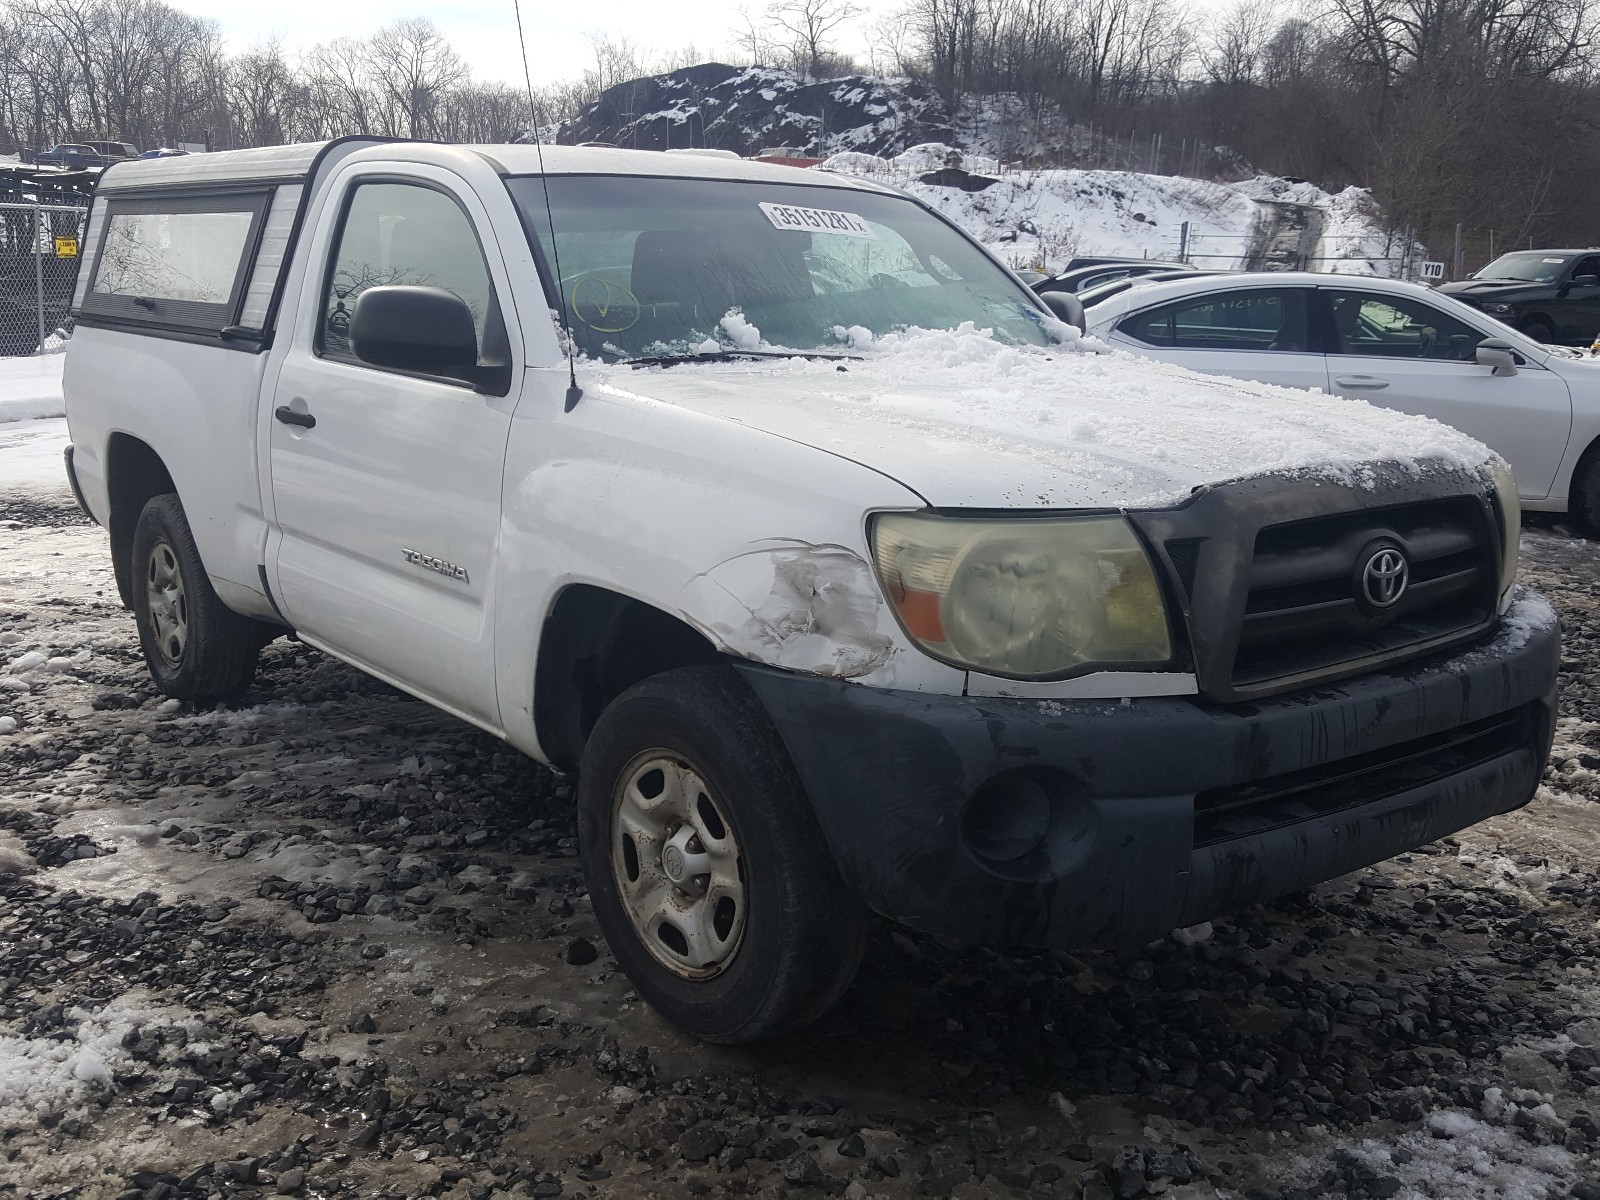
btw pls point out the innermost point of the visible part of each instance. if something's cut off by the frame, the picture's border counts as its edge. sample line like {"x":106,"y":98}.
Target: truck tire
{"x":710,"y":878}
{"x":1539,"y":330}
{"x":196,"y":647}
{"x":1583,"y":503}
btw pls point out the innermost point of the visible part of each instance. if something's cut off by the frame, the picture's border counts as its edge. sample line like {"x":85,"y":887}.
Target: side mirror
{"x":1067,"y":308}
{"x":423,"y":329}
{"x":1586,"y":281}
{"x":1498,"y":355}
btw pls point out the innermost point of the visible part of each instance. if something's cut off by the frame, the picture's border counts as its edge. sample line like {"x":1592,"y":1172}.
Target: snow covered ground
{"x":33,"y":428}
{"x":1042,"y":218}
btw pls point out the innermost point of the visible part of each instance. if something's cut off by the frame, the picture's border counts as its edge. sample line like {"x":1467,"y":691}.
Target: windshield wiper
{"x":672,"y":360}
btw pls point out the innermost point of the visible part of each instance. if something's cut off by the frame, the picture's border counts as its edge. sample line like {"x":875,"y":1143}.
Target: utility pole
{"x":1183,"y":242}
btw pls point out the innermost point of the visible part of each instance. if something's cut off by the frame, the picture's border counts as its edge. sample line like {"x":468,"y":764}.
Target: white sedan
{"x":1396,"y":344}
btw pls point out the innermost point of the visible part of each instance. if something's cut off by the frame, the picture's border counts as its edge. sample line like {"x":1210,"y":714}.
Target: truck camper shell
{"x":263,"y":190}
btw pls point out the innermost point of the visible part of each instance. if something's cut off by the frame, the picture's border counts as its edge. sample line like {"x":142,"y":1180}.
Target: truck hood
{"x":1505,"y":290}
{"x":966,"y":422}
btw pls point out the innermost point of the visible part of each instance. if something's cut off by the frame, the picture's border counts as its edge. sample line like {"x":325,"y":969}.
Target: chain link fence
{"x":39,"y":249}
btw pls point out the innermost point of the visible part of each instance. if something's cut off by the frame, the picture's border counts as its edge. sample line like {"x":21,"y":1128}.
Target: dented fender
{"x":813,"y":608}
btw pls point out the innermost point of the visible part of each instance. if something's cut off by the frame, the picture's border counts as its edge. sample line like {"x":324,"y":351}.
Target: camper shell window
{"x":176,"y":261}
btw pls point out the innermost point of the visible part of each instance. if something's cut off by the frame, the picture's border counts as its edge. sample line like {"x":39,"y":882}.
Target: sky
{"x":485,"y":31}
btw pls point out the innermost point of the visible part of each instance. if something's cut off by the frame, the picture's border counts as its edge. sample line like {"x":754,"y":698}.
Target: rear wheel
{"x":196,"y":647}
{"x":710,"y":878}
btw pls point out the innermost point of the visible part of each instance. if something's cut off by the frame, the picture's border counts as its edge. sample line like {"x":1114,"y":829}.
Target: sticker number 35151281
{"x":817,"y":220}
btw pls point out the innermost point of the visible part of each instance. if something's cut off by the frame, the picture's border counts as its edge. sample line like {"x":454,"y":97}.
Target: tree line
{"x":1477,"y":113}
{"x":1480,"y":113}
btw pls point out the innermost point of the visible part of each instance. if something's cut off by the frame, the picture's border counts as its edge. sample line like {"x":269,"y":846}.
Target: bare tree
{"x":809,"y":25}
{"x":413,"y":68}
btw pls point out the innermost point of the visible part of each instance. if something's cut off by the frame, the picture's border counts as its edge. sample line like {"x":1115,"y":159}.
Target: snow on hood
{"x":966,"y":421}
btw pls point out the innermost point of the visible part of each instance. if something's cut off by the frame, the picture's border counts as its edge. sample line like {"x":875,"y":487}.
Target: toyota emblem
{"x":1384,"y":577}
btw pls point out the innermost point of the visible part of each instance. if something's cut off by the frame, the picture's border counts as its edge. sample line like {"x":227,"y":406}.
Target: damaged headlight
{"x":1029,"y":598}
{"x":1505,"y":498}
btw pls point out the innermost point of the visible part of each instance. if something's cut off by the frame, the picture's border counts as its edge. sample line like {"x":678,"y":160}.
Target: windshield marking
{"x":829,"y":220}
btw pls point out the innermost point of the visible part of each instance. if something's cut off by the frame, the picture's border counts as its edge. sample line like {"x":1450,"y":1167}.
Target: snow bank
{"x":30,"y":456}
{"x":965,"y":419}
{"x":1042,"y":218}
{"x":30,"y":388}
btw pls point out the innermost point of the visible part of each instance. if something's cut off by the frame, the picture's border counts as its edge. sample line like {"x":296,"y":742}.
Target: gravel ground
{"x":334,"y":943}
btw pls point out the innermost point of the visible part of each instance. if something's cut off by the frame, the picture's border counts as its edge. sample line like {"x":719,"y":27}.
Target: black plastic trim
{"x":72,"y":482}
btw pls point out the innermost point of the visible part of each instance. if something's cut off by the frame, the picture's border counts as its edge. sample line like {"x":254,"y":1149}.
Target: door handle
{"x":1360,"y":381}
{"x":289,"y":417}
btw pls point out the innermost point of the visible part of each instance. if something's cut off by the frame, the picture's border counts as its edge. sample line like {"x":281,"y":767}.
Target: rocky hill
{"x":745,"y":109}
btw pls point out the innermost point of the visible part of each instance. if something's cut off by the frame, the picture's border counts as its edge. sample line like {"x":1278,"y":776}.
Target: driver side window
{"x":1380,"y":326}
{"x":402,"y":233}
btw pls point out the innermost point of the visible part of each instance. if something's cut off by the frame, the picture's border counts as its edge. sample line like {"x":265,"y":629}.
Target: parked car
{"x":1551,"y":295}
{"x":936,"y":615}
{"x":1081,"y":279}
{"x":114,"y":151}
{"x":1396,"y":344}
{"x":1098,"y":293}
{"x":70,"y":155}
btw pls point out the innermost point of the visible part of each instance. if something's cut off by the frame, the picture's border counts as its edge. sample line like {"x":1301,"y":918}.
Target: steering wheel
{"x":603,"y":304}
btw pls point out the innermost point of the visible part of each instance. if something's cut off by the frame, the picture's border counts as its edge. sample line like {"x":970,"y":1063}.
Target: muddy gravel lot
{"x":331,"y":942}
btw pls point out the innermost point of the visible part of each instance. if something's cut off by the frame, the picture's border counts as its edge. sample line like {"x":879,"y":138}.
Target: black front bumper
{"x":1291,"y":791}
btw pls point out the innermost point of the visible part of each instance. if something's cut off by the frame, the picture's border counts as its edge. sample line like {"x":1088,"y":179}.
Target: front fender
{"x":756,"y":541}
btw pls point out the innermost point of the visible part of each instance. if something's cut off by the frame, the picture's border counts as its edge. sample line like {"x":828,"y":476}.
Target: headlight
{"x":1029,"y":598}
{"x":1505,"y":495}
{"x":1498,"y":310}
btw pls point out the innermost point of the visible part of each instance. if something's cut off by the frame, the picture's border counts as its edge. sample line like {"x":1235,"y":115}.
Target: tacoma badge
{"x":449,"y":569}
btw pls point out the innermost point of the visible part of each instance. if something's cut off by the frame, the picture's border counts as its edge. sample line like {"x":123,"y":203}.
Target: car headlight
{"x":1498,"y":310}
{"x":1505,"y":497}
{"x":1028,"y":598}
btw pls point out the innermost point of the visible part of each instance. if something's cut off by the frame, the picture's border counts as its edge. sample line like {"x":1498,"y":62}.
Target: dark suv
{"x":1551,"y":295}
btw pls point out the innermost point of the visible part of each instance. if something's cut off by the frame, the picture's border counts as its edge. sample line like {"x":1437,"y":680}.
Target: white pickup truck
{"x":846,"y":577}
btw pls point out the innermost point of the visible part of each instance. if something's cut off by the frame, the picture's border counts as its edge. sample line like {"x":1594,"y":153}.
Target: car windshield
{"x":1529,"y":266}
{"x":668,"y":268}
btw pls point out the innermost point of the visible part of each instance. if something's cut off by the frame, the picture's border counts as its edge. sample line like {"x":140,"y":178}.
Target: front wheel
{"x":710,"y":878}
{"x":1539,"y":330}
{"x":196,"y":647}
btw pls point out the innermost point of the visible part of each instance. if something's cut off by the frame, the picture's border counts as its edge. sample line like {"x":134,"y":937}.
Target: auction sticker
{"x":817,"y":220}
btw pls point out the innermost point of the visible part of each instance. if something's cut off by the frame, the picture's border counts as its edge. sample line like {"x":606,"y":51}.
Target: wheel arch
{"x":135,"y":473}
{"x":595,"y":644}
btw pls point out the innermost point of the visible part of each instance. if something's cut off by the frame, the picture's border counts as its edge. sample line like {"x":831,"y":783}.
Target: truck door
{"x":386,"y":485}
{"x":1576,"y":306}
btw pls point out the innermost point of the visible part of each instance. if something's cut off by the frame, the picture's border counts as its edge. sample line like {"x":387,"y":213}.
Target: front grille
{"x":1305,"y":612}
{"x":1243,"y":810}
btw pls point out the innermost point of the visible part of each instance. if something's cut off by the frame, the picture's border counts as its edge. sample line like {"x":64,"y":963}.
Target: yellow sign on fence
{"x":66,"y":247}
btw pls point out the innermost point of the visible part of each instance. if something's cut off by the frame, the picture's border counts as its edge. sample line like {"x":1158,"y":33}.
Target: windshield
{"x":655,"y":267}
{"x":1530,"y":267}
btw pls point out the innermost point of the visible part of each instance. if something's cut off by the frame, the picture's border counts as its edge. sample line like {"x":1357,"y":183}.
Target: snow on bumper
{"x":1163,"y":812}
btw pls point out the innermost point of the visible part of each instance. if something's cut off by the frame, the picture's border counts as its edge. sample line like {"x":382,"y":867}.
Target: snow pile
{"x":30,"y":388}
{"x":58,"y":1074}
{"x":1042,"y":218}
{"x":748,"y":109}
{"x":963,"y":418}
{"x":1458,"y":1156}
